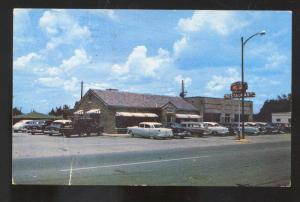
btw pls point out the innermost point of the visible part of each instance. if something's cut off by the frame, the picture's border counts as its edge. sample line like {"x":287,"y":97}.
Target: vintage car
{"x":151,"y":130}
{"x":38,"y":126}
{"x":216,"y":129}
{"x":56,"y":126}
{"x":250,"y":130}
{"x":22,"y":125}
{"x":178,"y":130}
{"x":195,"y":128}
{"x":81,"y":126}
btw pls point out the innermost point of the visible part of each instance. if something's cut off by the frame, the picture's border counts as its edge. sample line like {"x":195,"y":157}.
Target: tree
{"x":17,"y":111}
{"x":59,"y":111}
{"x":283,"y":103}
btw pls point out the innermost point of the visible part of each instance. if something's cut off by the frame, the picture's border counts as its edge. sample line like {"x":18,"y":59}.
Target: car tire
{"x":32,"y":133}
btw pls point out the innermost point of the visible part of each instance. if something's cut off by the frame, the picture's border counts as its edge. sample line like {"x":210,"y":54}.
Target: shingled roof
{"x":126,"y":99}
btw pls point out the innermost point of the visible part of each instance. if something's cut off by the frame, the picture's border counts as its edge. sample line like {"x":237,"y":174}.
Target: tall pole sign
{"x":239,"y":90}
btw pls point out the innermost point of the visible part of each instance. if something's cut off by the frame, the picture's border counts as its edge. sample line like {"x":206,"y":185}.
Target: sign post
{"x":238,"y":90}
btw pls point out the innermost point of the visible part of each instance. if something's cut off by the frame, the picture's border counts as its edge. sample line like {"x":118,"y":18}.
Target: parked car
{"x":216,"y":129}
{"x":271,"y":128}
{"x":56,"y":126}
{"x":250,"y":130}
{"x":260,"y":125}
{"x":38,"y":126}
{"x":177,"y":129}
{"x":81,"y":126}
{"x":232,"y":128}
{"x":195,"y":128}
{"x":152,"y":130}
{"x":22,"y":125}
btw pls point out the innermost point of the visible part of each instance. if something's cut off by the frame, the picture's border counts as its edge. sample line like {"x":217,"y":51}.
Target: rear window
{"x":157,"y":126}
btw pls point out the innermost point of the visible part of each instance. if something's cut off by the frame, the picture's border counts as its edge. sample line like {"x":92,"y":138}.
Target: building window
{"x":278,"y":120}
{"x":227,"y":118}
{"x":212,"y":117}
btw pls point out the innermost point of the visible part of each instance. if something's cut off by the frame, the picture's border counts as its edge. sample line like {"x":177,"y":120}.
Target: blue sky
{"x":146,"y":51}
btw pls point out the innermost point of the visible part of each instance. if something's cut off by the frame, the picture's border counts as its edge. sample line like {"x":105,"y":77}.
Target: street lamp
{"x":243,"y":43}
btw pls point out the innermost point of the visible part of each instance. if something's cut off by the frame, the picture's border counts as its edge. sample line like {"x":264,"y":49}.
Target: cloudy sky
{"x":146,"y":51}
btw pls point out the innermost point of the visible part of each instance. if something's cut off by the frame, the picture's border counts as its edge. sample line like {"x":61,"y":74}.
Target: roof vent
{"x":112,"y":89}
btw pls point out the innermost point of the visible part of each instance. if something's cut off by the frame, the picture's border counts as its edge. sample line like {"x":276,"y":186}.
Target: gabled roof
{"x":126,"y":99}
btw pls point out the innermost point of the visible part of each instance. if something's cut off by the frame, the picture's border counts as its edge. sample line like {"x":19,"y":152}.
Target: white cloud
{"x":54,"y":71}
{"x":62,"y":28}
{"x":80,"y":57}
{"x":139,"y":64}
{"x":96,"y":85}
{"x":179,"y":46}
{"x":219,"y":83}
{"x":20,"y":11}
{"x":72,"y":85}
{"x":187,"y":80}
{"x":51,"y":81}
{"x":221,"y":22}
{"x":276,"y":61}
{"x":24,"y":61}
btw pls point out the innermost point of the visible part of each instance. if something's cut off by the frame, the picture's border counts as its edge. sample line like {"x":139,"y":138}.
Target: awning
{"x":78,"y":112}
{"x":131,"y":114}
{"x":93,"y":111}
{"x":188,"y":116}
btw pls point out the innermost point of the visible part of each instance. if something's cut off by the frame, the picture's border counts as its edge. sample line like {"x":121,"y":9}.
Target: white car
{"x":151,"y":130}
{"x":216,"y":129}
{"x":21,"y":125}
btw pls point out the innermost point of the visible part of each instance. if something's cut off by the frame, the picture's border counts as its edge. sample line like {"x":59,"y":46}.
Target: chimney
{"x":183,"y":92}
{"x":81,"y":89}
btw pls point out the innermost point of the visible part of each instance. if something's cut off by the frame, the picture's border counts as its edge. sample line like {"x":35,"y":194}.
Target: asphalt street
{"x":259,"y":164}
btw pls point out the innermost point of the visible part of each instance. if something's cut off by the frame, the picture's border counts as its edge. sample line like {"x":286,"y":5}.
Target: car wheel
{"x":130,"y":133}
{"x":32,"y":133}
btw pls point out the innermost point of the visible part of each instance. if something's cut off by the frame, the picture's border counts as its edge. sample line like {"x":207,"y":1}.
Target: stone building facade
{"x":116,"y":110}
{"x":221,"y":110}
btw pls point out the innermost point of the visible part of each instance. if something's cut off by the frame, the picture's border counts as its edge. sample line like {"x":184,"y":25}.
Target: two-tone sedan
{"x":151,"y":130}
{"x":216,"y":129}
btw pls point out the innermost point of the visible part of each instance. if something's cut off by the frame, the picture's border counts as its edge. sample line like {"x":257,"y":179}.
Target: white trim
{"x":132,"y":114}
{"x":93,"y":111}
{"x":79,"y":112}
{"x":188,"y":116}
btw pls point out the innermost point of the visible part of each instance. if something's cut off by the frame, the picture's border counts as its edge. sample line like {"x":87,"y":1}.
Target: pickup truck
{"x":151,"y":130}
{"x":81,"y":126}
{"x":55,"y":127}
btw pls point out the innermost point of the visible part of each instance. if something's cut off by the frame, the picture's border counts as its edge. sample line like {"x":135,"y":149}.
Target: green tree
{"x":283,"y":103}
{"x":17,"y":111}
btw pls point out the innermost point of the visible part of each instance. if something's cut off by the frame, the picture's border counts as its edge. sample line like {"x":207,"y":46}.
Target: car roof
{"x":191,"y":122}
{"x":211,"y":122}
{"x":150,"y":123}
{"x":62,"y":121}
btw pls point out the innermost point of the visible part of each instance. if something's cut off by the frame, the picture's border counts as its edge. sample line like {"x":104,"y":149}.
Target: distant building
{"x":281,"y":118}
{"x":221,"y":110}
{"x":116,"y":110}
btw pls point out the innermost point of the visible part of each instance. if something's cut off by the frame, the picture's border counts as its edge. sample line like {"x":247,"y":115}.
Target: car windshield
{"x":56,"y":124}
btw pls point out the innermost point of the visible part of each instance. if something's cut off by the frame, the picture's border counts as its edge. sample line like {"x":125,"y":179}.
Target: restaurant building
{"x":221,"y":110}
{"x":116,"y":110}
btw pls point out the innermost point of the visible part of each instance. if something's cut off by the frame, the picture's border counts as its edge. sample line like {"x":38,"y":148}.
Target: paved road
{"x":260,"y":164}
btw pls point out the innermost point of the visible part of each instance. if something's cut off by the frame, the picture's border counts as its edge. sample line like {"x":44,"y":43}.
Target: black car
{"x":177,"y":129}
{"x":38,"y":126}
{"x":81,"y":126}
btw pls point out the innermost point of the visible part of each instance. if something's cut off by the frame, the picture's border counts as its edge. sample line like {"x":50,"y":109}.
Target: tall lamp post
{"x":243,"y":43}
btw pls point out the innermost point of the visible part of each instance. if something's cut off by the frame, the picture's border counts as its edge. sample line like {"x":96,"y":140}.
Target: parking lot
{"x":26,"y":145}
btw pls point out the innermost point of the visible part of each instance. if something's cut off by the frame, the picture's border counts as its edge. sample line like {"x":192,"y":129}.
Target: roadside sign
{"x":237,"y":87}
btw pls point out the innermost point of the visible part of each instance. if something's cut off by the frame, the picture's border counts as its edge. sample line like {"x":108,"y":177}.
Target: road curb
{"x":116,"y":135}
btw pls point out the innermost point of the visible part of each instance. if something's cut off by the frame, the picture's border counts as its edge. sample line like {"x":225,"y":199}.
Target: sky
{"x":146,"y":51}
